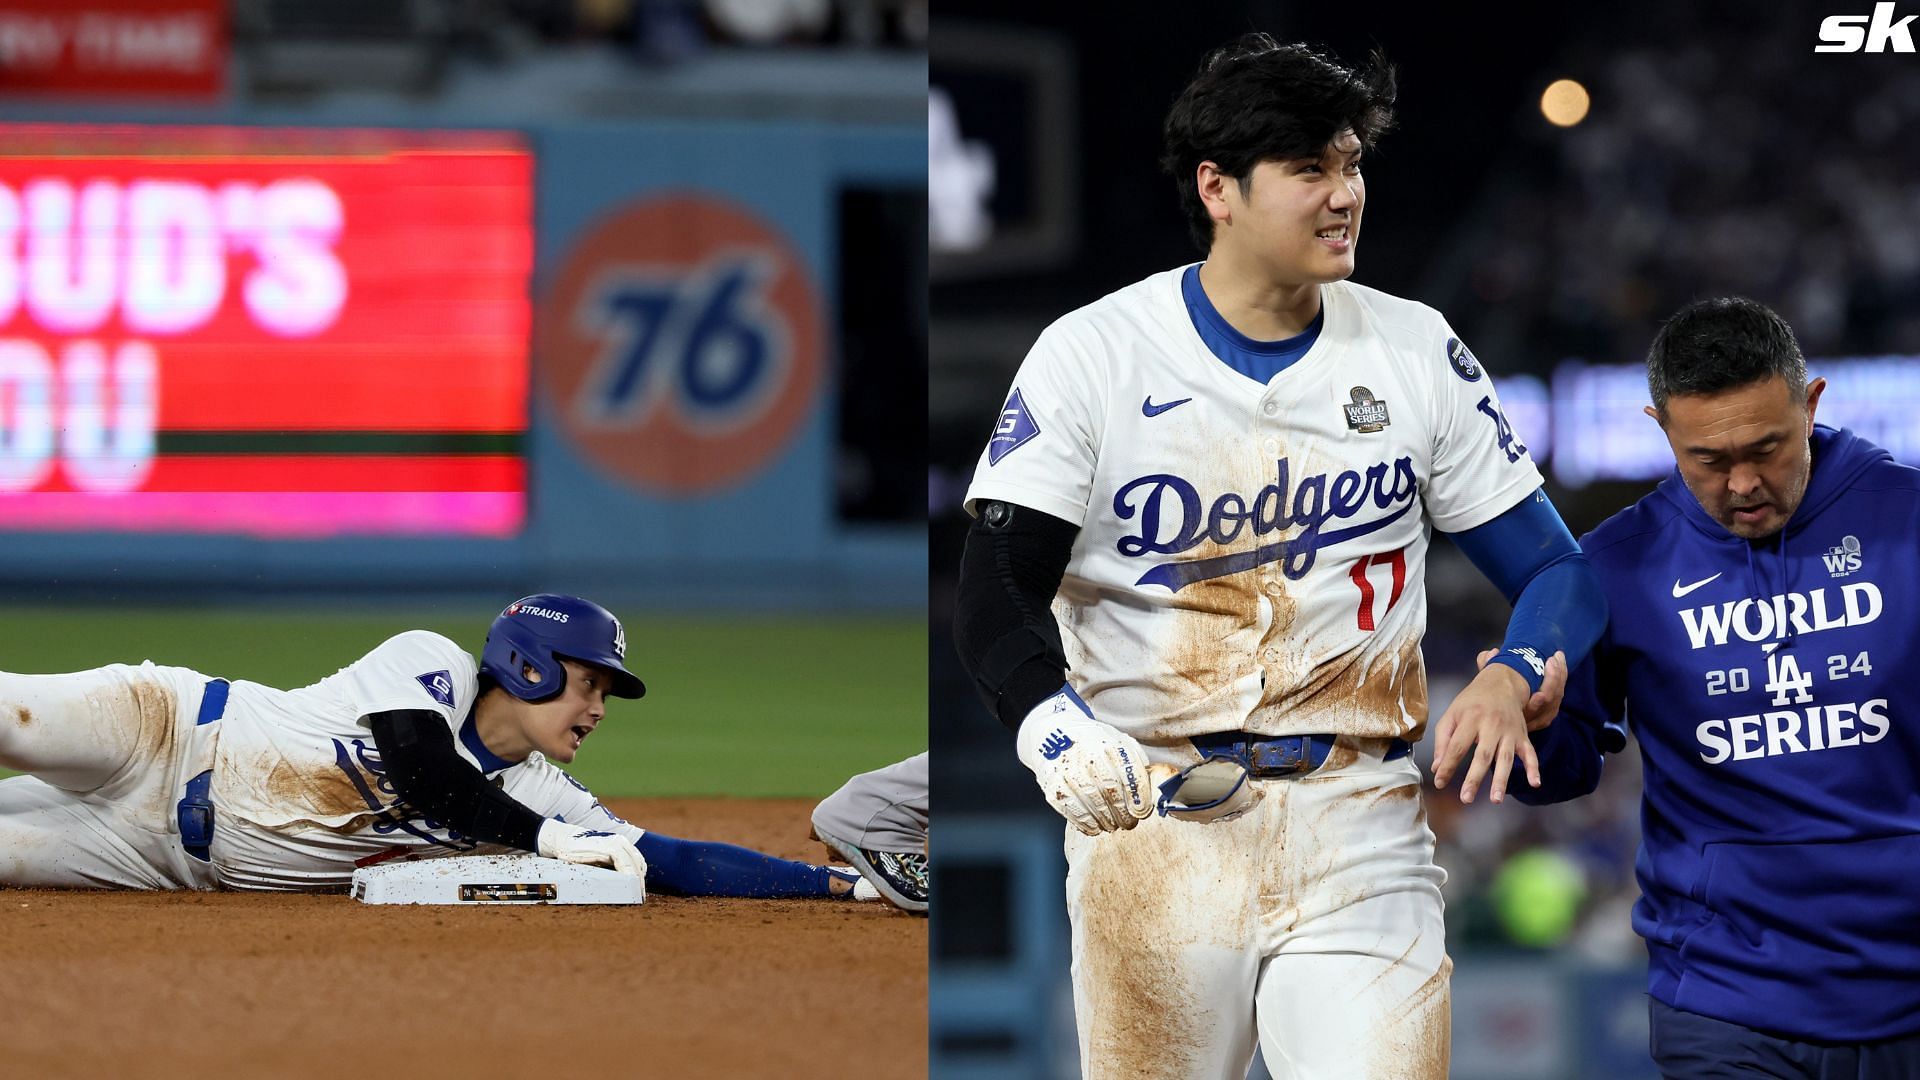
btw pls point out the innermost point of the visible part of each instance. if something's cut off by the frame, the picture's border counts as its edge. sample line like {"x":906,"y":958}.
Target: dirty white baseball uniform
{"x":298,"y":790}
{"x":1252,"y":557}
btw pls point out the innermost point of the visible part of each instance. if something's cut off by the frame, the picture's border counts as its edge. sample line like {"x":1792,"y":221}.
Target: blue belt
{"x":1282,"y":755}
{"x":195,"y":812}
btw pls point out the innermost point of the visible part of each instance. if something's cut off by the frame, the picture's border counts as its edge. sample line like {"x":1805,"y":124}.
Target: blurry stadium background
{"x":325,"y":319}
{"x":1717,"y":154}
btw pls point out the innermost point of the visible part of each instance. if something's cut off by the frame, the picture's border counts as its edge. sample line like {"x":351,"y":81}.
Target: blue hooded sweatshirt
{"x":1779,"y":860}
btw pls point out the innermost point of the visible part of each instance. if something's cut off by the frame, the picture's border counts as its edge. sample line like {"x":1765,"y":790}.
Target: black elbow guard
{"x":1003,"y":621}
{"x":416,"y":748}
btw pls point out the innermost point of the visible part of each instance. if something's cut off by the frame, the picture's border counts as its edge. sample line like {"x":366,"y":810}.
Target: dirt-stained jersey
{"x":302,"y":763}
{"x":1251,"y":556}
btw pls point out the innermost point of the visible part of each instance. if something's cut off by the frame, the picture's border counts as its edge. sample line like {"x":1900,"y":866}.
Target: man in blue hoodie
{"x":1757,"y":647}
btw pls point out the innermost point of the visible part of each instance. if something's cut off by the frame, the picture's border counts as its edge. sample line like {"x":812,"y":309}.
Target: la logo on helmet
{"x":619,"y":640}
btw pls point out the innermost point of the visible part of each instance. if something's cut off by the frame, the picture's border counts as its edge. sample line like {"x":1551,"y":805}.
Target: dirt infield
{"x":225,"y":984}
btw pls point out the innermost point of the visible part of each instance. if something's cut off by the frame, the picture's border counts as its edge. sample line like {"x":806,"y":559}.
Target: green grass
{"x":787,"y":706}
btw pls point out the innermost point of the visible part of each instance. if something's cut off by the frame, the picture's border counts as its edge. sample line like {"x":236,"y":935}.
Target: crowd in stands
{"x":1716,"y":161}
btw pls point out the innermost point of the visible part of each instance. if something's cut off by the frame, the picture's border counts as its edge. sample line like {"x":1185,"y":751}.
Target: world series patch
{"x":1367,"y":414}
{"x":1465,"y":364}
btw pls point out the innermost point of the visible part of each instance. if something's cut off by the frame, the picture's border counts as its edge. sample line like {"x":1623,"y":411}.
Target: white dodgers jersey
{"x":1252,"y":556}
{"x":301,"y":765}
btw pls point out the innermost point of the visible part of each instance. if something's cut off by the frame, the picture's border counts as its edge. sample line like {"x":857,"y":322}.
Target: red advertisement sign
{"x":280,"y":332}
{"x":116,"y":48}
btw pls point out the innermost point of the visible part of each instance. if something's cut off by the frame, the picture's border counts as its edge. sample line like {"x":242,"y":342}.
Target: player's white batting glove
{"x":1094,"y":774}
{"x":571,"y":843}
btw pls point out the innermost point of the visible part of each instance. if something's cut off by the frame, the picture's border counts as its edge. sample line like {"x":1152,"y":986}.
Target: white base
{"x":494,"y":879}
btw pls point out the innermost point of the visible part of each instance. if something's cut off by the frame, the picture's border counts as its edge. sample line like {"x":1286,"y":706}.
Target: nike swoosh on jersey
{"x":1148,"y":408}
{"x":1680,"y":590}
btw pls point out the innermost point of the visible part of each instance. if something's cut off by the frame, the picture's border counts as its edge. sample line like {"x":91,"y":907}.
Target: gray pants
{"x":882,"y":810}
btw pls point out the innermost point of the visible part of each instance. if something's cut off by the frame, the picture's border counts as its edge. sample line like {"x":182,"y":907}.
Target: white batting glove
{"x":1094,"y":774}
{"x":571,"y":843}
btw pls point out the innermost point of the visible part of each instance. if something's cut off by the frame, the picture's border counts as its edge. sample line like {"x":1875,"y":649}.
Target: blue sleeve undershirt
{"x":704,"y":868}
{"x":1533,"y":560}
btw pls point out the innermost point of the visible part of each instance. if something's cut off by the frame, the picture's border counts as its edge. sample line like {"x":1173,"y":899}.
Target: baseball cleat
{"x":900,"y":878}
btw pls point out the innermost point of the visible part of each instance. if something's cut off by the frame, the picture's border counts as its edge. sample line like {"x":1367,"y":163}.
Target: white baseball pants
{"x":1312,"y":923}
{"x":110,"y":751}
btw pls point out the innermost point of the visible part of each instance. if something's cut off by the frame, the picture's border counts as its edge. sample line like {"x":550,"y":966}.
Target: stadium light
{"x":1564,"y":103}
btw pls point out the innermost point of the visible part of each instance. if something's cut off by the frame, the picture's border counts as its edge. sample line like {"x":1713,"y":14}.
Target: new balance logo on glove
{"x":1054,"y":745}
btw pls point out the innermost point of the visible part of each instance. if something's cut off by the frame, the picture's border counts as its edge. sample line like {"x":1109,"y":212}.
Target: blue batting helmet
{"x":536,"y":631}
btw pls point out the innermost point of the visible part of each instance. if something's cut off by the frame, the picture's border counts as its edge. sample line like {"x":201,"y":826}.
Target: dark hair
{"x":1256,"y":100}
{"x":1714,"y":345}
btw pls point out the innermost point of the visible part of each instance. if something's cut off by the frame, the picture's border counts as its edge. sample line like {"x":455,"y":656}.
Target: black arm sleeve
{"x":1003,"y":623}
{"x":417,"y":749}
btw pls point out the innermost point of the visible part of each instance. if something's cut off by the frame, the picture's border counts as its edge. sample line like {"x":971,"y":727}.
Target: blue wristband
{"x":1522,"y":659}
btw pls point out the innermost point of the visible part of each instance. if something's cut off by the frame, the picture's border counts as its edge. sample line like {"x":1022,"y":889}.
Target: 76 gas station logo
{"x":701,"y":343}
{"x":681,"y":344}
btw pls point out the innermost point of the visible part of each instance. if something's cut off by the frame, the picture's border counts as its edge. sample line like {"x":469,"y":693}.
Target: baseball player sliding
{"x":155,"y":777}
{"x":1223,"y":480}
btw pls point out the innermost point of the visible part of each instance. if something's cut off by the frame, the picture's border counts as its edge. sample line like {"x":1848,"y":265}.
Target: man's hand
{"x":1094,"y":774}
{"x":571,"y":843}
{"x":1489,"y":715}
{"x":1544,"y":705}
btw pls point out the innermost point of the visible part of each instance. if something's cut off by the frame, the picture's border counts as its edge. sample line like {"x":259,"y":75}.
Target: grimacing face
{"x":557,"y":726}
{"x":1299,"y":217}
{"x":1744,"y":452}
